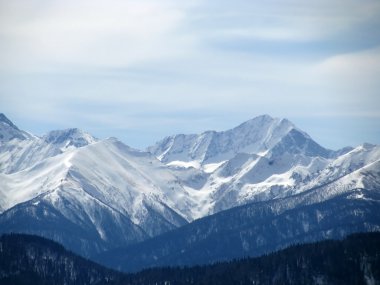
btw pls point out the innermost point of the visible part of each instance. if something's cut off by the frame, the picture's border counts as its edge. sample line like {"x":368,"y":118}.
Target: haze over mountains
{"x":96,"y":195}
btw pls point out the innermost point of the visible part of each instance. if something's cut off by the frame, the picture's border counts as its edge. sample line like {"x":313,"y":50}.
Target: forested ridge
{"x":26,"y":259}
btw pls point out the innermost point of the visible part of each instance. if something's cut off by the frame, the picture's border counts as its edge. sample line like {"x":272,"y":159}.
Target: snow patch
{"x":184,"y":164}
{"x":211,"y":167}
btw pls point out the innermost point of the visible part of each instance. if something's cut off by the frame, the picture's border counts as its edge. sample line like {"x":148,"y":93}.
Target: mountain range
{"x":258,"y":187}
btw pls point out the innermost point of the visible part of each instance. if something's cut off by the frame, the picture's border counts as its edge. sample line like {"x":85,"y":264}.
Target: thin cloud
{"x":74,"y":34}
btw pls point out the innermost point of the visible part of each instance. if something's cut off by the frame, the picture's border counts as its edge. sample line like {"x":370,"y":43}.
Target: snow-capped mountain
{"x":131,"y":181}
{"x":93,"y":195}
{"x":105,"y":192}
{"x":261,"y":159}
{"x":118,"y":194}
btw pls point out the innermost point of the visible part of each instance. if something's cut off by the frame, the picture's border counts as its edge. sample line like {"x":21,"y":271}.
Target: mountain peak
{"x":256,"y":135}
{"x":265,"y":122}
{"x":262,"y":119}
{"x":69,"y":137}
{"x":5,"y":120}
{"x":9,"y":131}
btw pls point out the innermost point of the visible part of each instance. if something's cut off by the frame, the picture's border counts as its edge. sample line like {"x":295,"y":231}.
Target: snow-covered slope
{"x":263,"y":179}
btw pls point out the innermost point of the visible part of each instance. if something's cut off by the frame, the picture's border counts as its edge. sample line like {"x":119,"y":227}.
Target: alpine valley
{"x":188,"y":199}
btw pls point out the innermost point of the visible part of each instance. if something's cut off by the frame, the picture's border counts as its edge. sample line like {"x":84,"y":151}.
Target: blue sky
{"x":141,"y":70}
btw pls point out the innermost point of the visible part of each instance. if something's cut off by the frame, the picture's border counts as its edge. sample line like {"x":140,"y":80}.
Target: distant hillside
{"x":355,"y":260}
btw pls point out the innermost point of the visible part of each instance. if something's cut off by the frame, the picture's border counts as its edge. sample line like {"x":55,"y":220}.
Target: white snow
{"x":211,"y":167}
{"x":184,"y":164}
